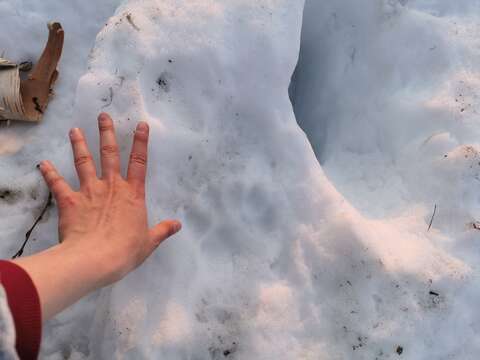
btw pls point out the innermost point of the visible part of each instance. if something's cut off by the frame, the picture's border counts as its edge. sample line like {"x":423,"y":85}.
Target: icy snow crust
{"x":277,"y":258}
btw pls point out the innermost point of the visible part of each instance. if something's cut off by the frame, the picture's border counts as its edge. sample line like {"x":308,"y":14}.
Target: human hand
{"x":106,"y":220}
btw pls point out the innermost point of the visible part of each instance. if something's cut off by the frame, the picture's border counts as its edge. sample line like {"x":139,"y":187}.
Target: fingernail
{"x":42,"y":164}
{"x":177,"y":225}
{"x":103,"y":116}
{"x":142,"y":126}
{"x":75,"y":132}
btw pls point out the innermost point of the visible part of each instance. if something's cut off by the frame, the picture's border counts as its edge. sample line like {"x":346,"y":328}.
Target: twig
{"x":433,"y":215}
{"x":29,"y":232}
{"x":130,"y":20}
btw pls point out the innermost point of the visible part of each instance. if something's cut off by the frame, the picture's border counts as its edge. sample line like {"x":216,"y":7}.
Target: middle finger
{"x":108,"y":147}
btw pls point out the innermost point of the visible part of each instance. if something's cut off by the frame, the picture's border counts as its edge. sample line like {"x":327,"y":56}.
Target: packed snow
{"x":342,"y":227}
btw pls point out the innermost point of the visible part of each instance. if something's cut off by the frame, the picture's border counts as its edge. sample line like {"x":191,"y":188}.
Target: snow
{"x":282,"y":256}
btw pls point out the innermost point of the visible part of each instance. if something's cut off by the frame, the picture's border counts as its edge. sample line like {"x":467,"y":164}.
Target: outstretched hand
{"x":103,"y":227}
{"x":108,"y":214}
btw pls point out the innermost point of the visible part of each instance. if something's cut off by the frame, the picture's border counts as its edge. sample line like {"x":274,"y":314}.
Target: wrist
{"x":99,"y":267}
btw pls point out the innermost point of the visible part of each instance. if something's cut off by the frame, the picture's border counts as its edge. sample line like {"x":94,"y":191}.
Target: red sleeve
{"x":24,"y":304}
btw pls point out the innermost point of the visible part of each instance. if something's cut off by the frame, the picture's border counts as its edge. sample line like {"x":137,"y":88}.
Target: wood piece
{"x":11,"y":105}
{"x":28,"y":99}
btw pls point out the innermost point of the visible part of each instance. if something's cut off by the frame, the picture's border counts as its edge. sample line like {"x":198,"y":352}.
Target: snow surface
{"x":280,"y":257}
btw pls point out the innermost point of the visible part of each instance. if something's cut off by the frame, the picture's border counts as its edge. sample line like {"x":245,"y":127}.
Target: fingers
{"x":137,"y":166}
{"x":162,"y":231}
{"x":108,"y":147}
{"x":57,"y":184}
{"x":81,"y":156}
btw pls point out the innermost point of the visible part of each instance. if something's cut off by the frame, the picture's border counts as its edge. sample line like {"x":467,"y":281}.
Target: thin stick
{"x":431,"y":220}
{"x":130,"y":20}
{"x":29,"y":232}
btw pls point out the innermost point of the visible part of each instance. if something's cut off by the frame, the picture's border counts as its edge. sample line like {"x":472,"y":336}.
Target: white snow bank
{"x":389,"y":94}
{"x":273,"y":262}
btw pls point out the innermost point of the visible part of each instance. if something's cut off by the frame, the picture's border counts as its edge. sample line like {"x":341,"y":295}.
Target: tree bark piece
{"x":28,"y":99}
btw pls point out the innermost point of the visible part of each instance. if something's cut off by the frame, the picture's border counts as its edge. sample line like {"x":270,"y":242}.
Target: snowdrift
{"x":296,"y":245}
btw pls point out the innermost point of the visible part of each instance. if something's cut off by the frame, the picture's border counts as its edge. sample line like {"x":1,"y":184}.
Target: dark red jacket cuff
{"x":24,"y":304}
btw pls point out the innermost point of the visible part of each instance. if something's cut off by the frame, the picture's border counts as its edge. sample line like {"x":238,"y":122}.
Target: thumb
{"x":163,"y":230}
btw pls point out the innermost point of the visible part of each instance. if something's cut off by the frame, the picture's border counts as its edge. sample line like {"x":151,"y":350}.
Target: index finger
{"x":137,"y":166}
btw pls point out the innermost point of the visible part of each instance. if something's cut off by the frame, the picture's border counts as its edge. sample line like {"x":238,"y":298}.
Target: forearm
{"x":62,"y":275}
